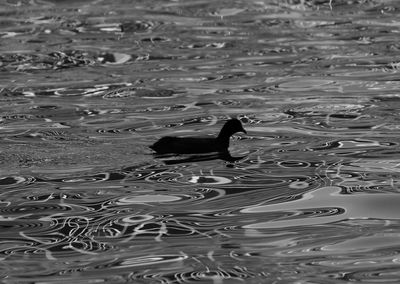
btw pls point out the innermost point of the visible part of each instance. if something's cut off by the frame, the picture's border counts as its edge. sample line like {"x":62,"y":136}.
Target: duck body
{"x":188,"y":145}
{"x":197,"y":145}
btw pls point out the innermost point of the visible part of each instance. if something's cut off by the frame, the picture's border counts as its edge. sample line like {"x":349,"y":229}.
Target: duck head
{"x":231,"y":127}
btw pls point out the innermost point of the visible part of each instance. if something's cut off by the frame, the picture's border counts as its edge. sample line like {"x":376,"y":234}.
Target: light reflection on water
{"x":87,"y":86}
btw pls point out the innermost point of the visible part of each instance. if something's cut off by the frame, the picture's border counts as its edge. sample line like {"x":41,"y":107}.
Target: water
{"x":86,"y":86}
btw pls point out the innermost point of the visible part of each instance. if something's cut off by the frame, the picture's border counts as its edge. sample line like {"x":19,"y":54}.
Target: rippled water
{"x":86,"y":86}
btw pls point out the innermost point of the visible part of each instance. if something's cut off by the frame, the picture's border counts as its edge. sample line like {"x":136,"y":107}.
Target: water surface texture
{"x":86,"y":86}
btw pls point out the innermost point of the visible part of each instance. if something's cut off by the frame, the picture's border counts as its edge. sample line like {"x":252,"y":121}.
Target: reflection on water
{"x":309,"y":195}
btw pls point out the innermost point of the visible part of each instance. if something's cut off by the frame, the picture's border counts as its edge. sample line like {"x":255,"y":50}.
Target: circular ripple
{"x":149,"y":260}
{"x":137,"y":27}
{"x":209,"y":180}
{"x":13,"y":180}
{"x":338,"y":110}
{"x":139,"y":92}
{"x":34,"y":209}
{"x":294,"y":164}
{"x":137,"y":219}
{"x":147,"y":198}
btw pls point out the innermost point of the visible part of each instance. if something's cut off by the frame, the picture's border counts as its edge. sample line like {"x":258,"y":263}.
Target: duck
{"x":197,"y":145}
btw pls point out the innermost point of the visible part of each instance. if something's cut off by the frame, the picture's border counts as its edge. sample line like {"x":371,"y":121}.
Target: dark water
{"x":86,"y":86}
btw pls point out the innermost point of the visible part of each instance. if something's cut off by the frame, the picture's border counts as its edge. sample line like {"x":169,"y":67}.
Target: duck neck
{"x":223,"y":137}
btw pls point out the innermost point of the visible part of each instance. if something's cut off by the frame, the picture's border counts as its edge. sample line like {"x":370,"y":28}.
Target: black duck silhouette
{"x":197,"y":145}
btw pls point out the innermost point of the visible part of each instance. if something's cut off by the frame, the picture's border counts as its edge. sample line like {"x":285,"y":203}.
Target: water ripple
{"x":87,"y":86}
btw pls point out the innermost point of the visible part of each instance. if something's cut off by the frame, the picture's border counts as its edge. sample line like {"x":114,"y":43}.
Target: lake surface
{"x":87,"y":86}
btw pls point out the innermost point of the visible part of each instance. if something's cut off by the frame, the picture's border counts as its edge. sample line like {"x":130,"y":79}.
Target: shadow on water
{"x":224,"y":156}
